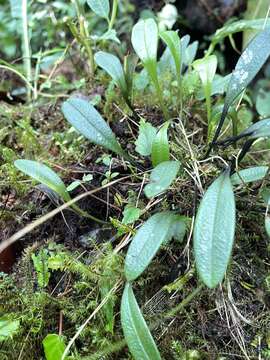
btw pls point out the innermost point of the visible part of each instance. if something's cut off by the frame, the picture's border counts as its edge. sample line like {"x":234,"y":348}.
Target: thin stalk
{"x":114,"y":13}
{"x":36,"y":77}
{"x":179,"y":92}
{"x":84,"y":36}
{"x":234,"y":125}
{"x":207,"y":92}
{"x":151,"y":69}
{"x":26,"y":48}
{"x":88,"y":216}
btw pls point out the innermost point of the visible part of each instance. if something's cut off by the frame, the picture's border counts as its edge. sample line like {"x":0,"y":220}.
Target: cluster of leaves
{"x":215,"y":222}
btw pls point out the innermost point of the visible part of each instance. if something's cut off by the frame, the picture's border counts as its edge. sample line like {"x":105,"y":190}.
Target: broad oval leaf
{"x":171,"y":39}
{"x":160,"y":147}
{"x":259,"y":129}
{"x":249,"y":175}
{"x":146,"y":243}
{"x":88,"y":122}
{"x":100,"y":7}
{"x":147,"y":134}
{"x":139,"y":339}
{"x":214,"y":231}
{"x":161,"y":178}
{"x":54,"y":347}
{"x":247,"y":67}
{"x":44,"y":175}
{"x":144,"y":40}
{"x":111,"y":64}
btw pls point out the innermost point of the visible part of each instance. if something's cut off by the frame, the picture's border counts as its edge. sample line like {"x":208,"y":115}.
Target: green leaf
{"x":88,"y":122}
{"x":111,"y":64}
{"x":147,"y":134}
{"x":249,"y":175}
{"x":139,"y":339}
{"x":214,"y":231}
{"x":257,"y":130}
{"x":131,"y":214}
{"x":189,"y":52}
{"x":263,"y":103}
{"x":40,"y":262}
{"x":247,"y":67}
{"x":171,"y":39}
{"x":206,"y":68}
{"x":218,"y":86}
{"x":44,"y":175}
{"x":8,"y":327}
{"x":267,"y":225}
{"x":161,"y":178}
{"x":130,"y":63}
{"x":160,"y":147}
{"x":146,"y":243}
{"x":100,"y":7}
{"x":178,"y":228}
{"x":73,"y":185}
{"x":54,"y":347}
{"x":16,"y":8}
{"x":255,"y":9}
{"x":238,"y":26}
{"x":266,"y":196}
{"x":144,"y":40}
{"x":110,"y":34}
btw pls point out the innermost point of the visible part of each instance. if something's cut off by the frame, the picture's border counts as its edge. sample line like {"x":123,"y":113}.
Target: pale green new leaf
{"x":88,"y":122}
{"x":206,"y":68}
{"x":160,"y":147}
{"x":54,"y":347}
{"x":214,"y":231}
{"x":44,"y":175}
{"x":100,"y":7}
{"x":171,"y":39}
{"x":161,"y":178}
{"x":8,"y":327}
{"x":249,"y":175}
{"x":247,"y":67}
{"x":146,"y":243}
{"x":111,"y":64}
{"x":147,"y":134}
{"x":139,"y":339}
{"x":144,"y":40}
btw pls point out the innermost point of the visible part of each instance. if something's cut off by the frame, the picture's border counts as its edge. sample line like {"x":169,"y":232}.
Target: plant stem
{"x":207,"y":92}
{"x":178,"y":308}
{"x":84,"y":37}
{"x":152,"y":71}
{"x":114,"y":13}
{"x":26,"y":48}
